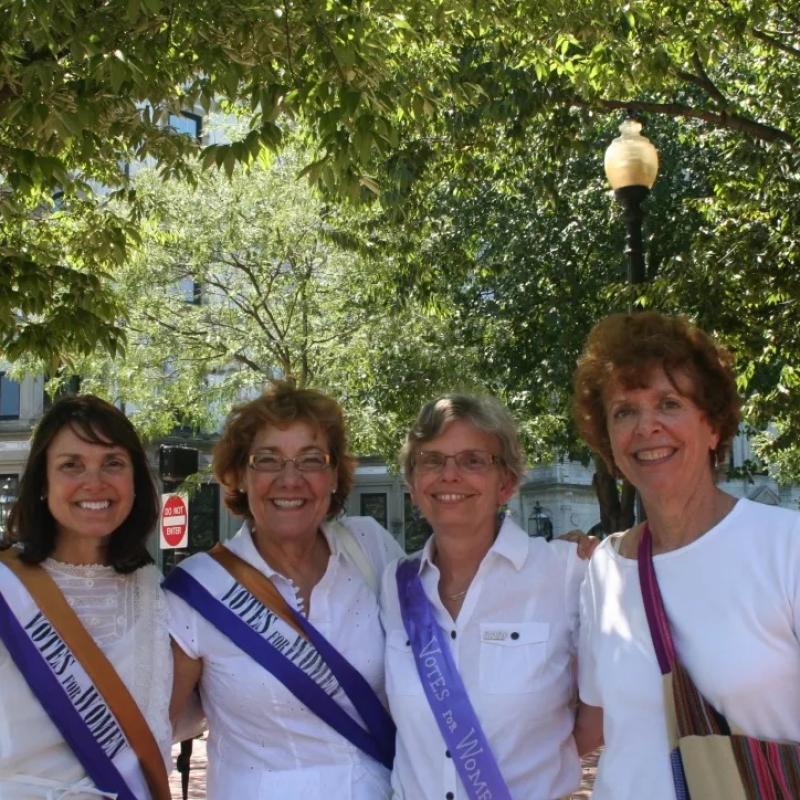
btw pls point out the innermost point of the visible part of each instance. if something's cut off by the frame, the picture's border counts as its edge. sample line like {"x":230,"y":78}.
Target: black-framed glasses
{"x":270,"y":461}
{"x":473,"y":461}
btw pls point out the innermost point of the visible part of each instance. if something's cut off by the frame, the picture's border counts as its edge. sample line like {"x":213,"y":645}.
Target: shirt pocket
{"x":401,"y":668}
{"x":511,"y":656}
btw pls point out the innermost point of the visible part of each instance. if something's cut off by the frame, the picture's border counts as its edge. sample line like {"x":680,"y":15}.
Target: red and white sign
{"x":174,"y":522}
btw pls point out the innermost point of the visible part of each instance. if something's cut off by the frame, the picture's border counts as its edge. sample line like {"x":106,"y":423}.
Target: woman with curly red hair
{"x":707,"y":589}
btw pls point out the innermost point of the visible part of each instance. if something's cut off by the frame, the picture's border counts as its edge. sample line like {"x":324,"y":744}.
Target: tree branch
{"x":702,"y":80}
{"x":770,"y":39}
{"x":721,"y":119}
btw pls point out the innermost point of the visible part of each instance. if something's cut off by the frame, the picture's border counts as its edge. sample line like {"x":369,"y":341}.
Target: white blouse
{"x":514,"y":643}
{"x":126,"y":615}
{"x":262,"y":741}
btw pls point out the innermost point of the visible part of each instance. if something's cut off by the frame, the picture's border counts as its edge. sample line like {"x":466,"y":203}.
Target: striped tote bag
{"x":710,"y":761}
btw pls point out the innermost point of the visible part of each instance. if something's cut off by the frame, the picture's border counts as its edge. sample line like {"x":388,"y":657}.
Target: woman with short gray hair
{"x":481,"y":624}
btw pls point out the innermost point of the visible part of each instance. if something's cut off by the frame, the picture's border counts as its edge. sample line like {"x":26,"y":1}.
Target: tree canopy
{"x":85,"y":89}
{"x":477,"y":127}
{"x":238,"y":280}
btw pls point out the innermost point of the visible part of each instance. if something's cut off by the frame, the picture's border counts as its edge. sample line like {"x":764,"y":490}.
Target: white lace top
{"x":126,"y":616}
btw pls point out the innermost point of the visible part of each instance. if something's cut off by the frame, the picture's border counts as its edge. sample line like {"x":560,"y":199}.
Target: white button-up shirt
{"x":514,"y":643}
{"x":263,"y":742}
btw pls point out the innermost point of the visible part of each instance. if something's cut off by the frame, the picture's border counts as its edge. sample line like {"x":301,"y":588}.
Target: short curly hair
{"x":279,"y":406}
{"x":627,"y":347}
{"x":485,"y":413}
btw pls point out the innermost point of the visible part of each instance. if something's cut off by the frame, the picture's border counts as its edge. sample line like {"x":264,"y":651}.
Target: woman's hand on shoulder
{"x":586,"y":544}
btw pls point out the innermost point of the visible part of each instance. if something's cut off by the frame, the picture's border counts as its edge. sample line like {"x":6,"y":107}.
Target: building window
{"x":374,"y":504}
{"x":9,"y":397}
{"x":186,"y":124}
{"x":190,"y":290}
{"x":417,"y":529}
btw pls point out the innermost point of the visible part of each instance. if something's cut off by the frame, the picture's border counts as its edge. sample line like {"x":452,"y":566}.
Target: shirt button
{"x":515,"y":635}
{"x":408,"y":643}
{"x":452,"y":634}
{"x":447,"y":753}
{"x":449,"y":796}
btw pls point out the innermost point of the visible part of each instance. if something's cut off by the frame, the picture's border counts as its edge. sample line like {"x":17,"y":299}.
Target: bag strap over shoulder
{"x":52,"y":603}
{"x":693,"y":714}
{"x":258,"y":584}
{"x":356,"y":554}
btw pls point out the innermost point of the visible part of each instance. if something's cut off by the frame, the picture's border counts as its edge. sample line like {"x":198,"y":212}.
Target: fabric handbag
{"x":710,"y":760}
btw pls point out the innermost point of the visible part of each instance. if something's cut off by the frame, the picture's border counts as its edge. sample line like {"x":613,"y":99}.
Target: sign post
{"x":174,"y":522}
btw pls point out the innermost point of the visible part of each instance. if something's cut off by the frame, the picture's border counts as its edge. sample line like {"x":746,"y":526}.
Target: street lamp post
{"x":631,"y":165}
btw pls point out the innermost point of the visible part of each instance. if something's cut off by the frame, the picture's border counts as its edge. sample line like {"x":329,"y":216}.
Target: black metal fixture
{"x":175,"y":464}
{"x":631,"y":165}
{"x":539,"y":523}
{"x":8,"y":495}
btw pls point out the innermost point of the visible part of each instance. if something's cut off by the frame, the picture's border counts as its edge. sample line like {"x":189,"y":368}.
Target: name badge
{"x":494,"y":636}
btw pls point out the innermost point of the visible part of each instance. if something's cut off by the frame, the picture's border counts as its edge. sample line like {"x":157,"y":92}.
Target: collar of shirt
{"x":511,"y":543}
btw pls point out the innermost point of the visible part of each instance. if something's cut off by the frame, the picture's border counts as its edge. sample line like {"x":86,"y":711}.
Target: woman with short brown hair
{"x":279,"y":627}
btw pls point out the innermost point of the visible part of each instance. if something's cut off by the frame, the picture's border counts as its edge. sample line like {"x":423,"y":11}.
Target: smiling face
{"x":456,"y":499}
{"x":89,"y":491}
{"x":290,"y":504}
{"x":660,"y":439}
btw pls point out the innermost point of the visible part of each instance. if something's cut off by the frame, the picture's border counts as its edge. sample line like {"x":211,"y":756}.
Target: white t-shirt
{"x":263,"y":742}
{"x":126,"y":615}
{"x":733,"y":601}
{"x":522,"y":687}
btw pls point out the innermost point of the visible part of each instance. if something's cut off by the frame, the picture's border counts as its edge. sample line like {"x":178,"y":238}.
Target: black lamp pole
{"x":630,"y":198}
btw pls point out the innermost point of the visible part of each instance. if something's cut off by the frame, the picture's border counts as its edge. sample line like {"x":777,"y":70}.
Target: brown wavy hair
{"x":627,"y":347}
{"x":279,"y":406}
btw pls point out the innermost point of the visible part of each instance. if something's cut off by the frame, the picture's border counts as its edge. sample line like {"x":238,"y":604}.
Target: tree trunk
{"x":616,"y":499}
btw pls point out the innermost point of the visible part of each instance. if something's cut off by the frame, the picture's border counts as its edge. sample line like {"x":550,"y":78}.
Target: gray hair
{"x":485,"y":413}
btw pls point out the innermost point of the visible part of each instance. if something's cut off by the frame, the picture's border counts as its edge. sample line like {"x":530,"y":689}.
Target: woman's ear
{"x":508,"y":486}
{"x":411,"y":493}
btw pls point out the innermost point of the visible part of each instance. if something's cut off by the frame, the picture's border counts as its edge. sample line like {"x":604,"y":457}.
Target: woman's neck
{"x":301,"y":559}
{"x":458,"y":558}
{"x":79,"y":551}
{"x":675,"y":523}
{"x":292,"y":552}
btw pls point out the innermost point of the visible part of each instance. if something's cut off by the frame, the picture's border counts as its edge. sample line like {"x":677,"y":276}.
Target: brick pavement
{"x":197,"y":776}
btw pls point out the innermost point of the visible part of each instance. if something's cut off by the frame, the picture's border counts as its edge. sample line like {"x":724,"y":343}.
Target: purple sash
{"x":377,"y":741}
{"x":71,"y":702}
{"x":447,"y":696}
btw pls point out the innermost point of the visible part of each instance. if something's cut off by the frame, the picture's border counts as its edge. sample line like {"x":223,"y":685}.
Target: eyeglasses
{"x":472,"y":461}
{"x":269,"y":461}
